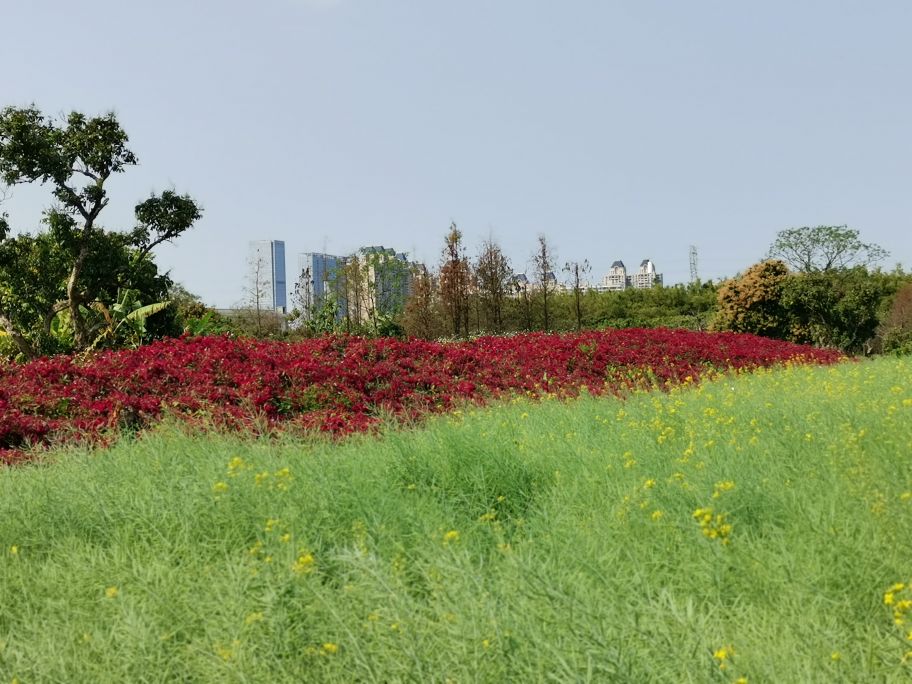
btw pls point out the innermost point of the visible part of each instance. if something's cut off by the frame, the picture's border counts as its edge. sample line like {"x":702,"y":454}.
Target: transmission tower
{"x":693,"y":264}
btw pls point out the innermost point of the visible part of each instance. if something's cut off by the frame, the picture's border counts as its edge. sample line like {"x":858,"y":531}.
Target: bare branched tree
{"x":455,"y":281}
{"x":420,"y":315}
{"x":577,"y":272}
{"x":257,"y":289}
{"x":543,"y":262}
{"x":492,"y":282}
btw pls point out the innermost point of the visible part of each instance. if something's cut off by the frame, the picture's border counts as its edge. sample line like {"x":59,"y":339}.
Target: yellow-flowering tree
{"x":752,"y":302}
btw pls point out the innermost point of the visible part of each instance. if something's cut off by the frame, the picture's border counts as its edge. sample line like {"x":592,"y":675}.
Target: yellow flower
{"x":304,"y":564}
{"x":486,"y":644}
{"x":226,"y":653}
{"x":657,"y":515}
{"x":330,"y":647}
{"x":282,"y":478}
{"x":724,"y":653}
{"x":112,"y":592}
{"x":253,"y":618}
{"x":649,"y":484}
{"x":220,"y":487}
{"x":285,"y":538}
{"x":14,"y":550}
{"x":836,"y":656}
{"x":234,"y":465}
{"x":451,"y":536}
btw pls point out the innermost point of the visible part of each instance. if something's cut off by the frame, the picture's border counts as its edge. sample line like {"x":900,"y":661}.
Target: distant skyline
{"x":620,"y":130}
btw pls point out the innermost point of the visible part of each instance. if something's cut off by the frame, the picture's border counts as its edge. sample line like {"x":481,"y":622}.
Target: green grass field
{"x":749,"y":528}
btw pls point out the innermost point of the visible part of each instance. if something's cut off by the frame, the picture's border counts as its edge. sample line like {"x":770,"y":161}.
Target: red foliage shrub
{"x":343,"y":384}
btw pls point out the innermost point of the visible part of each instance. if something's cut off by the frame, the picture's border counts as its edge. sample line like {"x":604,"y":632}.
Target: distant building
{"x":617,"y":279}
{"x":317,"y":277}
{"x":373,"y":281}
{"x":388,"y":280}
{"x":519,"y":281}
{"x":646,"y":276}
{"x":268,"y":287}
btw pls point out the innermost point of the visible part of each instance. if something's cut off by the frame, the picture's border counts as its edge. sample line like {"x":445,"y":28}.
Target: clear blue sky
{"x":620,"y":130}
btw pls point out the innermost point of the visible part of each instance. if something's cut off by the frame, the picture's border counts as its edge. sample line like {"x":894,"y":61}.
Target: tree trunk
{"x":21,"y":343}
{"x":80,"y":332}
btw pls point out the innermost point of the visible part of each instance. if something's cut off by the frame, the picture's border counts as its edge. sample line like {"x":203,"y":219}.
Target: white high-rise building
{"x":618,"y":279}
{"x":646,"y":276}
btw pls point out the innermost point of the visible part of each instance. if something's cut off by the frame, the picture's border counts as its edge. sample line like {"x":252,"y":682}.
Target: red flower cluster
{"x":345,"y":384}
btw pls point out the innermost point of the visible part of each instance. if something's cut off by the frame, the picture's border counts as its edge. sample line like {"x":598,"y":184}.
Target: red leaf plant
{"x":344,"y":384}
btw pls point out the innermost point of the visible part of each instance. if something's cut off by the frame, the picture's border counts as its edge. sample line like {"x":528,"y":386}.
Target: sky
{"x":619,"y":130}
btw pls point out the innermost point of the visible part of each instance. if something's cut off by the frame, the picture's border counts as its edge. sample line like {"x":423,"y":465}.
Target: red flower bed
{"x":343,"y":384}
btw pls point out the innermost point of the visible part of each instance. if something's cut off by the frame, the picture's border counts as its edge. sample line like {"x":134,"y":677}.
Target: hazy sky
{"x":620,"y":130}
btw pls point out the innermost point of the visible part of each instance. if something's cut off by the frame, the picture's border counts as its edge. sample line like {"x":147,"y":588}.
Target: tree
{"x":420,"y":317}
{"x":33,"y":275}
{"x":543,"y":261}
{"x":835,"y":308}
{"x":259,"y":285}
{"x":76,"y":158}
{"x":387,"y":275}
{"x":824,"y":248}
{"x":492,"y":283}
{"x":455,"y":280}
{"x":752,"y":302}
{"x":32,"y":272}
{"x":895,"y":332}
{"x":577,"y":273}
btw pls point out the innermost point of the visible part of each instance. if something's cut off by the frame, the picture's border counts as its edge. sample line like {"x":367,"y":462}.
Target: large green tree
{"x":824,"y":248}
{"x":837,"y":308}
{"x":75,"y":263}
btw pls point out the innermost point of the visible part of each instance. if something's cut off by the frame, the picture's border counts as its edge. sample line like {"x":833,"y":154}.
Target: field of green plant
{"x":755,"y":528}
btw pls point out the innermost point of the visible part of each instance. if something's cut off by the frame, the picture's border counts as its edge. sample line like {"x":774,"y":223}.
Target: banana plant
{"x":126,"y":317}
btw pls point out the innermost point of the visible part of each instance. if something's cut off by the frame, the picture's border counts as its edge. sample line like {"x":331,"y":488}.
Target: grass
{"x":528,"y":542}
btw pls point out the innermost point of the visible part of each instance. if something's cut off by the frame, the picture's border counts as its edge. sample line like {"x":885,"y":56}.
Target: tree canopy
{"x":75,"y":264}
{"x":824,"y":248}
